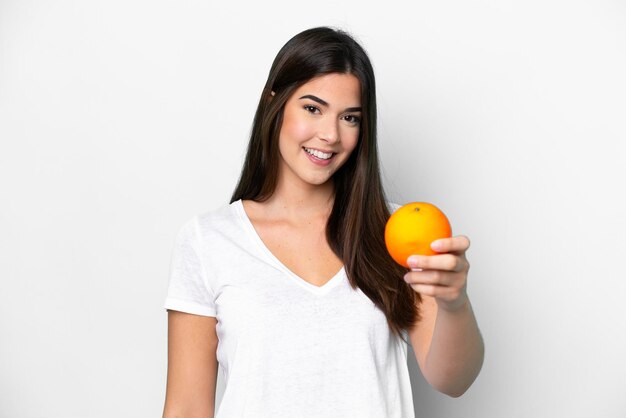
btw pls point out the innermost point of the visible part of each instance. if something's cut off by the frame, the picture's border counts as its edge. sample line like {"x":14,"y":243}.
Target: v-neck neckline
{"x":319,"y":290}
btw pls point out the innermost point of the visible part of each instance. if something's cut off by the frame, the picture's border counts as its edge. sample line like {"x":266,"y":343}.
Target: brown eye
{"x":310,"y":109}
{"x":353,"y":119}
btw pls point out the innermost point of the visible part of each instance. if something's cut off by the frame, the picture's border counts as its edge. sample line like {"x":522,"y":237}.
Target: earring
{"x":273,"y":93}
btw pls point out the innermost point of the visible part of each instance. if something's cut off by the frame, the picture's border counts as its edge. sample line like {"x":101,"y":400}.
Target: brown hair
{"x":355,"y":227}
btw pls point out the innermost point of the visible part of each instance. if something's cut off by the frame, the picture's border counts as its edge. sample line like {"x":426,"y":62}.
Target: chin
{"x":318,"y":181}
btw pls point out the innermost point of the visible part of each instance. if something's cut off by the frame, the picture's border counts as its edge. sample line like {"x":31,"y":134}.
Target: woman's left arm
{"x":447,"y":342}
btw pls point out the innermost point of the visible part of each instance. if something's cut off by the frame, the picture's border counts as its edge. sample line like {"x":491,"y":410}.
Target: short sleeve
{"x":392,"y":207}
{"x":188,"y":289}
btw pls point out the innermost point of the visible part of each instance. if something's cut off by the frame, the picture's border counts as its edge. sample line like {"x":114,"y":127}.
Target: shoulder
{"x":213,"y":222}
{"x":219,"y":214}
{"x":392,"y":206}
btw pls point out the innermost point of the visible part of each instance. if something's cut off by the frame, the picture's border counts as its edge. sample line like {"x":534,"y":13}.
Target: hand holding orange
{"x":412,"y":228}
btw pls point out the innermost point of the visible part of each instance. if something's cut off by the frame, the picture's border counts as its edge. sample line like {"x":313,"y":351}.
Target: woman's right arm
{"x":191,"y":366}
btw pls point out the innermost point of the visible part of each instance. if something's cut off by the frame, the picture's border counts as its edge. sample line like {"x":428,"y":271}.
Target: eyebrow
{"x":324,"y":103}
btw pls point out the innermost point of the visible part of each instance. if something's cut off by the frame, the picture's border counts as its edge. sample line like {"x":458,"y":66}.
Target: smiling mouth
{"x":319,"y":154}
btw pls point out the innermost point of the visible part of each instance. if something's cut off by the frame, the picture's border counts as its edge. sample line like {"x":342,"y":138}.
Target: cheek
{"x":350,"y":139}
{"x":296,"y":129}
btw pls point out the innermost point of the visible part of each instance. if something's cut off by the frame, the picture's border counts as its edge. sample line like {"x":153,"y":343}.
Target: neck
{"x":300,"y":202}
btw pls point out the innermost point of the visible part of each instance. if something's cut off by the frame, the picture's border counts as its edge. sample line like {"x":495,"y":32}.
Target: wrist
{"x":458,"y":306}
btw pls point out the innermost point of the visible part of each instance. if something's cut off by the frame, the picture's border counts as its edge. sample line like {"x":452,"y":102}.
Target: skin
{"x":304,"y":190}
{"x":295,"y":215}
{"x":447,"y":343}
{"x":308,"y":122}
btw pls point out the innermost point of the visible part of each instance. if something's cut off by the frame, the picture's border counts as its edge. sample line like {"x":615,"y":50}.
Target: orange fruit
{"x":412,"y":228}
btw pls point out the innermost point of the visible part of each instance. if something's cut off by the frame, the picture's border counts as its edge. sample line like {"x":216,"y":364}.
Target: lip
{"x":322,"y":150}
{"x":317,"y":161}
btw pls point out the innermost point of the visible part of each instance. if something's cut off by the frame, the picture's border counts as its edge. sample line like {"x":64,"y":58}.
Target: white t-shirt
{"x":287,"y":348}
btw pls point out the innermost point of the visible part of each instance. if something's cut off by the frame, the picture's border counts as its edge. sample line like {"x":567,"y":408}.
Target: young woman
{"x":289,"y":287}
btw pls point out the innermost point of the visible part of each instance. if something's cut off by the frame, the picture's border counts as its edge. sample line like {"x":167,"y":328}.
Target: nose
{"x":329,"y":131}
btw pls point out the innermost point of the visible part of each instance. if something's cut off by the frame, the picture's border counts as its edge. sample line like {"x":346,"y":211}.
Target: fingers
{"x":446,"y":287}
{"x":448,"y":298}
{"x":444,"y":275}
{"x":438,"y":292}
{"x":447,"y":262}
{"x":429,"y":277}
{"x":457,"y":244}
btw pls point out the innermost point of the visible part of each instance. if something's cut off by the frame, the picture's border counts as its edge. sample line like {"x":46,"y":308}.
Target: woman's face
{"x":320,"y":128}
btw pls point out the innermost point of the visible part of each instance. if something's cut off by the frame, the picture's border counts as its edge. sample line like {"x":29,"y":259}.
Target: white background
{"x":120,"y":119}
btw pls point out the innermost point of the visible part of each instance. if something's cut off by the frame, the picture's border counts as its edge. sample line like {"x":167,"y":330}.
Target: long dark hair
{"x":355,"y":227}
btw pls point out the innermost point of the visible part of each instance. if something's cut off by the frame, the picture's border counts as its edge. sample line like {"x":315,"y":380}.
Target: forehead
{"x":336,"y":88}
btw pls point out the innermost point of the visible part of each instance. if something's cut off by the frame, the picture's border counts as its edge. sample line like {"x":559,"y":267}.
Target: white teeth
{"x":319,"y":154}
